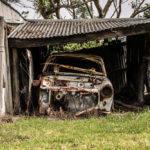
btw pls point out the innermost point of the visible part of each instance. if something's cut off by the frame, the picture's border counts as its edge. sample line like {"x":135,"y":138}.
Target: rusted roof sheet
{"x":36,"y":29}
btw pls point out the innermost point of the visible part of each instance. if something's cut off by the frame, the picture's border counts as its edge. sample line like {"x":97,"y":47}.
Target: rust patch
{"x":36,"y":82}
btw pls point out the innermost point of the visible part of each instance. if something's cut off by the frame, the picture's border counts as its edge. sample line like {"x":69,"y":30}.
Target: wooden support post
{"x":141,"y":68}
{"x":15,"y":86}
{"x":129,"y":67}
{"x":9,"y":105}
{"x":147,"y":58}
{"x":141,"y":83}
{"x":1,"y":61}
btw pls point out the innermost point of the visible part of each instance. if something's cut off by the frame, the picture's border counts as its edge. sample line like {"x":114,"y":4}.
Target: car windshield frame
{"x":96,"y":59}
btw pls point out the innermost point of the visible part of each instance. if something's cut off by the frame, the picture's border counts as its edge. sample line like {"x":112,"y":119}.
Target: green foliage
{"x":125,"y":131}
{"x":147,"y":13}
{"x":45,"y":8}
{"x":75,"y":47}
{"x":82,"y":11}
{"x":42,"y":6}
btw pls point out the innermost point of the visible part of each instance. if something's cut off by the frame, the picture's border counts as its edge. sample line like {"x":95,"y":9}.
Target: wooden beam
{"x":27,"y":43}
{"x":15,"y":86}
{"x":147,"y":59}
{"x":141,"y":68}
{"x":141,"y":83}
{"x":9,"y":105}
{"x":148,"y":73}
{"x":1,"y":62}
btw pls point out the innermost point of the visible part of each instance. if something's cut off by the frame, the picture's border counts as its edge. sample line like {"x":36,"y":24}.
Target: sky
{"x":126,"y":10}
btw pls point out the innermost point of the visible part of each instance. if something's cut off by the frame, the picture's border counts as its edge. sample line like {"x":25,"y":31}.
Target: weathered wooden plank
{"x":141,"y":83}
{"x":10,"y":14}
{"x":148,"y":73}
{"x":135,"y":66}
{"x":1,"y":62}
{"x":147,"y":59}
{"x":16,"y":96}
{"x":9,"y":105}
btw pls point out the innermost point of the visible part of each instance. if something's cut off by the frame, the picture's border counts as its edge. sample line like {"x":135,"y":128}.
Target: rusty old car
{"x":75,"y":83}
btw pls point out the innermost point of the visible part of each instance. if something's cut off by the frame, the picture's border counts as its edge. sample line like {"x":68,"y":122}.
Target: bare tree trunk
{"x":107,"y":6}
{"x":99,"y":8}
{"x":120,"y":8}
{"x":73,"y":10}
{"x":58,"y":14}
{"x":58,"y":10}
{"x":92,"y":10}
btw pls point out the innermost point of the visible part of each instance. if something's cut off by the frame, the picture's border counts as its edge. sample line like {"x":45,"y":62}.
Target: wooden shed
{"x":35,"y":35}
{"x":9,"y":19}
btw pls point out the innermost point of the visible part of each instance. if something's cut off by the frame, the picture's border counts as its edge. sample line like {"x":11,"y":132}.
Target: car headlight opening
{"x":107,"y":91}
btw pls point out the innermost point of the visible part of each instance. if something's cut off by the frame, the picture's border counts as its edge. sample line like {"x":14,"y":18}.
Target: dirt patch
{"x":9,"y":119}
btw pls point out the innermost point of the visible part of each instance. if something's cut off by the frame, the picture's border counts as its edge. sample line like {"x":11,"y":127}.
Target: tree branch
{"x":120,"y":8}
{"x":54,"y":7}
{"x":73,"y":11}
{"x":139,"y":11}
{"x":113,"y":14}
{"x":107,"y":6}
{"x":58,"y":10}
{"x":115,"y":6}
{"x":89,"y":11}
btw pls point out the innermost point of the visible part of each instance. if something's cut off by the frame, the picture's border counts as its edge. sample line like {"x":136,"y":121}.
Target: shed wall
{"x":9,"y":14}
{"x":5,"y":86}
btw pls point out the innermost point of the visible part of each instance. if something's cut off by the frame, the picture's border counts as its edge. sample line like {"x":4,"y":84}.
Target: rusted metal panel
{"x":36,"y":29}
{"x":73,"y":91}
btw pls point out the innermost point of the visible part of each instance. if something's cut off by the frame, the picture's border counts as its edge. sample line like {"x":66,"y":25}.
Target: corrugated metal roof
{"x":36,"y":29}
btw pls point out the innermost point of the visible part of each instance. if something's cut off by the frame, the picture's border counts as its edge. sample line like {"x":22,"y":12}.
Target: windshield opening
{"x":72,"y":65}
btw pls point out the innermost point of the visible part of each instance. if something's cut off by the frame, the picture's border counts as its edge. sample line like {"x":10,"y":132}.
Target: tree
{"x":138,"y":8}
{"x":84,"y":8}
{"x":50,"y":9}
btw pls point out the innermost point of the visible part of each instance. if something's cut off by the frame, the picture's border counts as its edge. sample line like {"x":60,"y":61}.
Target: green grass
{"x":118,"y":131}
